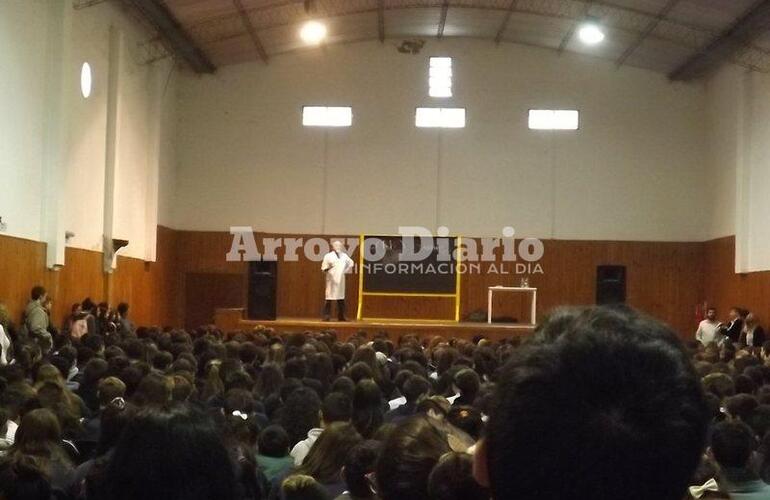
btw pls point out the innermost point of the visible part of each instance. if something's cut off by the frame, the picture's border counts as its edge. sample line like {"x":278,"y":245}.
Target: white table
{"x":533,"y":291}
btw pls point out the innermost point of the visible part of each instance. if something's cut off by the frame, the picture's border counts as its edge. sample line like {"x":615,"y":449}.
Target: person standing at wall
{"x":36,"y":319}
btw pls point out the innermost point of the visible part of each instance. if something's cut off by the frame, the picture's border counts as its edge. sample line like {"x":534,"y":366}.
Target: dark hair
{"x":344,"y":385}
{"x":273,"y":442}
{"x":415,"y":387}
{"x":154,"y":389}
{"x":368,"y":411}
{"x":23,"y":478}
{"x":407,"y":458}
{"x":452,"y":479}
{"x":336,"y":407}
{"x":123,"y":309}
{"x":596,"y":384}
{"x":741,"y":405}
{"x":468,"y":382}
{"x":300,"y":413}
{"x":327,"y":456}
{"x":37,"y":292}
{"x":361,"y":461}
{"x":173,"y":453}
{"x":732,"y":444}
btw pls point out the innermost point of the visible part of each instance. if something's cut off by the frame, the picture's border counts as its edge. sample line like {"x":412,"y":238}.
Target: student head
{"x":415,"y":387}
{"x":171,"y":453}
{"x":300,"y":413}
{"x":360,"y":462}
{"x":39,"y":294}
{"x":123,"y":310}
{"x":327,"y":456}
{"x":468,"y":383}
{"x":336,"y":407}
{"x":603,"y":404}
{"x":303,"y":487}
{"x":110,"y":388}
{"x":273,"y":442}
{"x":407,"y":458}
{"x":452,"y":479}
{"x":39,"y":434}
{"x":732,"y":444}
{"x":337,"y":246}
{"x":711,"y":313}
{"x":367,"y":407}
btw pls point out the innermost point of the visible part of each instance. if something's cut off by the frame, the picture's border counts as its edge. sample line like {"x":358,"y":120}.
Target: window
{"x":440,"y":77}
{"x":440,"y":118}
{"x":554,"y":119}
{"x":86,"y":80}
{"x":327,"y":116}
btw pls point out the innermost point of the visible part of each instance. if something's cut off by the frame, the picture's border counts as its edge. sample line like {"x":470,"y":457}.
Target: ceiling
{"x":660,"y":35}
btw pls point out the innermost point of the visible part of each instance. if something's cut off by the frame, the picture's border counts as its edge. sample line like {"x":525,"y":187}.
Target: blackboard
{"x":392,"y":273}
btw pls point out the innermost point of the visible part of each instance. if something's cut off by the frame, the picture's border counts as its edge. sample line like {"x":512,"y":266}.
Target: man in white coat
{"x":334,"y":266}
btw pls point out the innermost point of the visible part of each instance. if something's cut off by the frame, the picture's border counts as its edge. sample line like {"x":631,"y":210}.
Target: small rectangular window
{"x":440,"y":118}
{"x":554,"y":119}
{"x":440,"y":77}
{"x":327,"y":116}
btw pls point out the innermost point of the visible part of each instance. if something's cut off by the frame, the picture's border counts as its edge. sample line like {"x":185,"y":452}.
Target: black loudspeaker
{"x":263,"y":278}
{"x":610,"y":284}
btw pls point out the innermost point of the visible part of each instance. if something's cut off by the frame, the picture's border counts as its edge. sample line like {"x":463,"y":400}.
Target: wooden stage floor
{"x":229,"y":320}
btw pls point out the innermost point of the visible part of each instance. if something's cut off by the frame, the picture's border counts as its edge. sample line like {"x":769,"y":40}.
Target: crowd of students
{"x":601,"y":403}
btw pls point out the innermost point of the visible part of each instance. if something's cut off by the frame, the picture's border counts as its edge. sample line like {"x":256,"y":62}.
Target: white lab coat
{"x":335,"y":266}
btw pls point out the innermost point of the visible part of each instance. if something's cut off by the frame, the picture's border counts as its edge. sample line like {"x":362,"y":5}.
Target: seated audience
{"x":600,"y":403}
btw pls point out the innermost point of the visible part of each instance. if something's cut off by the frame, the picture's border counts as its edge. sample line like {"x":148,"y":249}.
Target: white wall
{"x":634,"y":171}
{"x":738,"y":181}
{"x":22,"y":90}
{"x":724,"y":91}
{"x":32,"y":34}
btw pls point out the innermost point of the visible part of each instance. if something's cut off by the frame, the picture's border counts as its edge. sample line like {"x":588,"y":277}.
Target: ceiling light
{"x":590,"y":34}
{"x":86,"y":80}
{"x":313,"y":32}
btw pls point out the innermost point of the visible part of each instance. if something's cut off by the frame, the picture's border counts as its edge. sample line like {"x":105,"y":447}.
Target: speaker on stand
{"x":263,"y":279}
{"x":610,"y":285}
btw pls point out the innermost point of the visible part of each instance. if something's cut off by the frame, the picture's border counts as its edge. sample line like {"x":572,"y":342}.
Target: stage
{"x":230,"y":320}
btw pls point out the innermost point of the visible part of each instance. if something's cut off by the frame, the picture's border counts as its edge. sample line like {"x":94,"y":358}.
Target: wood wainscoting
{"x":149,"y":287}
{"x":665,"y":279}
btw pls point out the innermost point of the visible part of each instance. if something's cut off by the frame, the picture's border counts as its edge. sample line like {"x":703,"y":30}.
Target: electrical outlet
{"x":3,"y":226}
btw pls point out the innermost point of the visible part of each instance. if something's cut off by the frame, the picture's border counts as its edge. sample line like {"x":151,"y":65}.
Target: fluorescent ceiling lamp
{"x":313,"y":32}
{"x":554,"y":119}
{"x":590,"y":34}
{"x":440,"y":117}
{"x":327,"y":116}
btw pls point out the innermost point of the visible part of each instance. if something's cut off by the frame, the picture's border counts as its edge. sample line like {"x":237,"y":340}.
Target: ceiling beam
{"x":748,"y":27}
{"x":571,"y":31}
{"x":442,"y":20}
{"x":381,"y":20}
{"x":647,"y":31}
{"x":506,"y":20}
{"x":158,"y":15}
{"x":249,"y":26}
